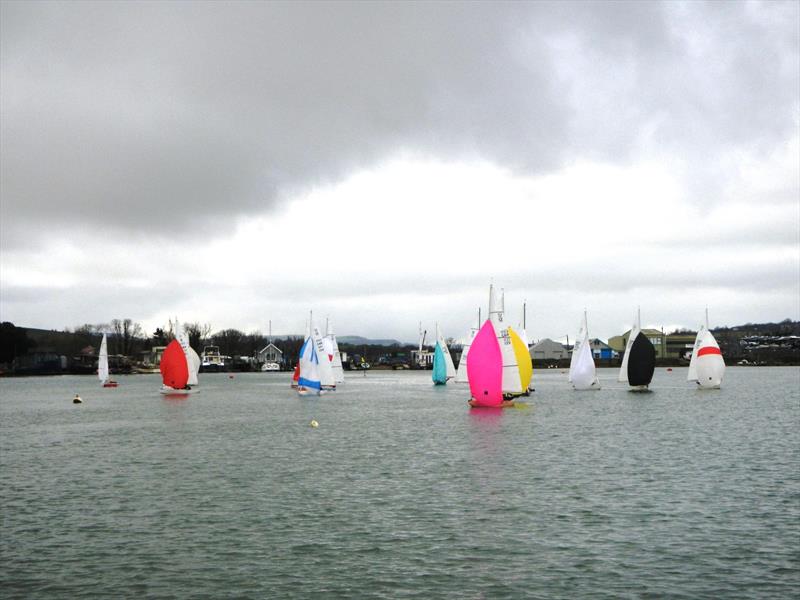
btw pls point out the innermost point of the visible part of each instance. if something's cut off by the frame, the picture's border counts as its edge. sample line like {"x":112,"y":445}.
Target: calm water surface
{"x":402,"y":491}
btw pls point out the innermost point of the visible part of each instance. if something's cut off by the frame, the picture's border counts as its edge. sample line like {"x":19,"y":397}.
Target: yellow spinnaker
{"x":523,"y":359}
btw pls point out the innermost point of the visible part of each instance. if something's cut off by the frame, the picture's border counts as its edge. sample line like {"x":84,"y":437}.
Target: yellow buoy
{"x":314,"y":424}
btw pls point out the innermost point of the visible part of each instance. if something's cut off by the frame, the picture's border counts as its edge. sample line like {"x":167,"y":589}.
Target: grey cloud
{"x":177,"y":117}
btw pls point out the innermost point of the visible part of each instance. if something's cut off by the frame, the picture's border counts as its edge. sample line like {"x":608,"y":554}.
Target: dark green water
{"x":402,"y":491}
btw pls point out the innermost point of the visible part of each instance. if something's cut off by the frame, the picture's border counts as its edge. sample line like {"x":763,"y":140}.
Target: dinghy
{"x":639,"y":361}
{"x":174,"y":370}
{"x":102,"y":365}
{"x":315,"y":373}
{"x":443,"y":367}
{"x":582,"y":373}
{"x":485,"y":369}
{"x":707,"y":366}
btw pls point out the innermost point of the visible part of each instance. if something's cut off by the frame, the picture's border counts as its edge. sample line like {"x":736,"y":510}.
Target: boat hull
{"x":176,"y":392}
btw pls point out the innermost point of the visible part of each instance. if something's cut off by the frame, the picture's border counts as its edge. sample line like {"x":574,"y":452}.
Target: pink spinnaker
{"x":485,"y":368}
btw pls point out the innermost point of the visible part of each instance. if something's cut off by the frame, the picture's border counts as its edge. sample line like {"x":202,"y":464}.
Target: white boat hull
{"x":166,"y":390}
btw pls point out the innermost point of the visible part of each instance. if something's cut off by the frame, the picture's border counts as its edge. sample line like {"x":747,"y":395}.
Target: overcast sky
{"x":381,"y":163}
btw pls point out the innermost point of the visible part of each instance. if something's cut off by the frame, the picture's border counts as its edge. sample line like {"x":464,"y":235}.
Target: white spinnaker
{"x":102,"y":362}
{"x":710,"y":364}
{"x":582,"y":372}
{"x":579,"y":340}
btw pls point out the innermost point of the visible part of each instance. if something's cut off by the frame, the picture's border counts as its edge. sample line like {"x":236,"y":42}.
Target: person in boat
{"x":506,"y":403}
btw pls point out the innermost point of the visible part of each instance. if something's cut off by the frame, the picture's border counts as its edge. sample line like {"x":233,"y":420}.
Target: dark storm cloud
{"x":164,"y":116}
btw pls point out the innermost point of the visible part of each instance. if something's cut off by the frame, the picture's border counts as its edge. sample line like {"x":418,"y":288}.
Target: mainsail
{"x":512,"y":385}
{"x":102,"y":362}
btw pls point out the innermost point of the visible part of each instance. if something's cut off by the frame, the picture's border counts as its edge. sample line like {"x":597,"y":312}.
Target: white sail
{"x":192,"y":359}
{"x":582,"y":372}
{"x":450,"y":369}
{"x":336,"y":357}
{"x":623,"y":370}
{"x":102,"y":362}
{"x":579,"y":339}
{"x":325,"y":371}
{"x":511,"y":380}
{"x":707,"y":365}
{"x":710,"y":365}
{"x":461,"y":372}
{"x":698,"y":341}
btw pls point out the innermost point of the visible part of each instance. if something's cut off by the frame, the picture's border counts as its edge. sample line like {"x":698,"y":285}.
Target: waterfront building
{"x":601,"y":350}
{"x":270,"y":354}
{"x":656,"y":337}
{"x":548,"y":349}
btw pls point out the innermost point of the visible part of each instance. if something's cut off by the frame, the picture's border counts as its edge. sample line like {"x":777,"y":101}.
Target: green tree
{"x":14,"y":342}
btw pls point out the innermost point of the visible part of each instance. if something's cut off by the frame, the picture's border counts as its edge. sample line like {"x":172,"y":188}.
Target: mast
{"x":706,"y":317}
{"x":525,"y":315}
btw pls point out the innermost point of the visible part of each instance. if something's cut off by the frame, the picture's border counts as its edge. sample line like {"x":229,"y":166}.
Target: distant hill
{"x":357,"y":340}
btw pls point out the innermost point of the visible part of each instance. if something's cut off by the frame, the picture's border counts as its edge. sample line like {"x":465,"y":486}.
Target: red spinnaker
{"x":174,"y":370}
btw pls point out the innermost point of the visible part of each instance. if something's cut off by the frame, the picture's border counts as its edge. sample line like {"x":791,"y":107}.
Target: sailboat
{"x":512,"y":383}
{"x":707,"y":366}
{"x":639,"y":361}
{"x":174,"y":370}
{"x":443,"y":367}
{"x":335,"y":357}
{"x":582,"y":373}
{"x":315,"y":374}
{"x":102,"y":365}
{"x":485,"y":370}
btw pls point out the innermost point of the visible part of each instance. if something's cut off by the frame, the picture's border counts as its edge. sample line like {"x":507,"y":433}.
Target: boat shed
{"x":547,"y":349}
{"x":270,"y":353}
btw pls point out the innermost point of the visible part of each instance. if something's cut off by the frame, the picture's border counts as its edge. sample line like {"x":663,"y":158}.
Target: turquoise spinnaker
{"x":439,"y":367}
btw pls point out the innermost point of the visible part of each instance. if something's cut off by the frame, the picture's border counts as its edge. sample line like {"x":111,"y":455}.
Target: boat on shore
{"x":211,"y":361}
